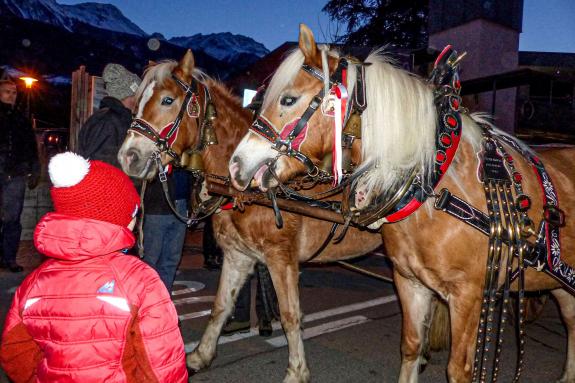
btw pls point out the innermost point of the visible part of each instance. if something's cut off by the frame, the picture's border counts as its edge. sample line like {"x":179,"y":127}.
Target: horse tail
{"x":439,"y":331}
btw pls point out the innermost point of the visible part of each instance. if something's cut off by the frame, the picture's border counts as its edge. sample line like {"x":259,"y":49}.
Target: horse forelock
{"x":398,"y":125}
{"x":158,"y":73}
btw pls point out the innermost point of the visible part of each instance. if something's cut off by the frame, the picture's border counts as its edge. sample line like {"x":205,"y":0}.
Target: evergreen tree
{"x":399,"y":23}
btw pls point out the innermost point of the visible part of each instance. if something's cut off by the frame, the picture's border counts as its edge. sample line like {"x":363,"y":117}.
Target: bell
{"x":353,"y":125}
{"x":211,"y":113}
{"x":346,"y":164}
{"x":326,"y":164}
{"x":196,"y":162}
{"x":209,"y":137}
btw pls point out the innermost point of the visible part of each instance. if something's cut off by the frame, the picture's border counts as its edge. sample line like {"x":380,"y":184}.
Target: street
{"x":352,"y":327}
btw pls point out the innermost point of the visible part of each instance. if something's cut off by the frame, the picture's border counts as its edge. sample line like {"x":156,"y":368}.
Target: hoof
{"x":194,"y":362}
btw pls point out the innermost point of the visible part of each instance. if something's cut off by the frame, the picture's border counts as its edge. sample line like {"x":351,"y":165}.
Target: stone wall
{"x":36,"y":203}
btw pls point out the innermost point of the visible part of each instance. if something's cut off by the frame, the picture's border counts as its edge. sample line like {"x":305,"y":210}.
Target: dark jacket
{"x":103,"y":133}
{"x":18,"y":150}
{"x":179,"y":187}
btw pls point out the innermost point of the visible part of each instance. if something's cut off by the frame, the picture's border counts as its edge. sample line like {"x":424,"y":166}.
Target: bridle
{"x":284,"y":146}
{"x":168,"y":134}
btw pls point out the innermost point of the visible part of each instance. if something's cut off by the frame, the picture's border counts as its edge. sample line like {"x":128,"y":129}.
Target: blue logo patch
{"x":107,"y":288}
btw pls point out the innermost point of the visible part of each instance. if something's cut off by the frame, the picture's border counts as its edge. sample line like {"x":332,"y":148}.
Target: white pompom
{"x":67,"y":169}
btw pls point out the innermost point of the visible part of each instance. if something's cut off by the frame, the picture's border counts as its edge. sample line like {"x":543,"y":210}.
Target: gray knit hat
{"x":120,"y":82}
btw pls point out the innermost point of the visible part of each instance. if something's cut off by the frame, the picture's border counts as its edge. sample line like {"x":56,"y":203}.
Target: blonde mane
{"x":398,"y":125}
{"x":163,"y":70}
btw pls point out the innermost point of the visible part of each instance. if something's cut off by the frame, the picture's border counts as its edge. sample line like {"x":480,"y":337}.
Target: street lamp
{"x":29,"y":81}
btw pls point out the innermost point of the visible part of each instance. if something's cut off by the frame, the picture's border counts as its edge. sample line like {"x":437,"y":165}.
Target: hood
{"x":69,"y":238}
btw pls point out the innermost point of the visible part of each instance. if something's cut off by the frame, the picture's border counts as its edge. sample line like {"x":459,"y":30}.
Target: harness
{"x":506,"y":222}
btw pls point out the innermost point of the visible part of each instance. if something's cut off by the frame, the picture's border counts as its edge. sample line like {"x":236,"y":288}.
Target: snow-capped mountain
{"x":223,"y":46}
{"x":104,"y":16}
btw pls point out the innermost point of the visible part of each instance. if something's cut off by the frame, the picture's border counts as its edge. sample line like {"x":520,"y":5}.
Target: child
{"x":91,"y":313}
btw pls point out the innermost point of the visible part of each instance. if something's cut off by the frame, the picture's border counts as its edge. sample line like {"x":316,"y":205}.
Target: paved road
{"x":352,"y":327}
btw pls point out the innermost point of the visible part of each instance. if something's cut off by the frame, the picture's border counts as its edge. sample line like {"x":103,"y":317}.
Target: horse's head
{"x":167,"y":114}
{"x":291,"y":98}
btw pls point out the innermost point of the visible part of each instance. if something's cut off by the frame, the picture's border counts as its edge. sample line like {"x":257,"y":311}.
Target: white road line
{"x":307,"y":318}
{"x":184,"y":291}
{"x":349,"y":308}
{"x":191,"y":287}
{"x":324,"y":328}
{"x":196,"y":314}
{"x":207,"y":298}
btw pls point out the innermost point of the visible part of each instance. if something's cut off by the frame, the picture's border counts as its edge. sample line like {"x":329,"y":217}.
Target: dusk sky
{"x":548,"y":25}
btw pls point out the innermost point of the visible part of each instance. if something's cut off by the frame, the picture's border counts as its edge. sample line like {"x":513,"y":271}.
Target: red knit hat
{"x":92,"y":189}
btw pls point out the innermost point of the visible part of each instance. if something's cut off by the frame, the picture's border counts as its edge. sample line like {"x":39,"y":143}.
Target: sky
{"x":548,"y":25}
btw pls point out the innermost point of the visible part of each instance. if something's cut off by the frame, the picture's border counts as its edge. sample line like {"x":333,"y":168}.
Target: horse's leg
{"x":464,"y":308}
{"x":285,"y":279}
{"x":567,"y":304}
{"x":416,"y":306}
{"x":235,"y":269}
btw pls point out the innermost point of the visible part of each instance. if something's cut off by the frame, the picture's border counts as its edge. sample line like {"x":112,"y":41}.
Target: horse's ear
{"x":307,"y":43}
{"x":187,"y":63}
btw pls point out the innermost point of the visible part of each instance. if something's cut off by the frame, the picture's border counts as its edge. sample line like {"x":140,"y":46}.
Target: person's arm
{"x":155,"y":335}
{"x":32,"y":154}
{"x":19,"y":353}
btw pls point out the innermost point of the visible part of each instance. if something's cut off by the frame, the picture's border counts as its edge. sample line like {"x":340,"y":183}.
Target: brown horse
{"x":431,"y":251}
{"x":244,"y":237}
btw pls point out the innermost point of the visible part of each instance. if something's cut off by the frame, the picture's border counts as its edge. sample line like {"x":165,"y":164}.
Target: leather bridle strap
{"x":142,"y":127}
{"x":265,"y":128}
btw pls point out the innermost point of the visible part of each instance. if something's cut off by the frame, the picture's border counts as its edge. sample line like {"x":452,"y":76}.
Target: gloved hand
{"x":33,"y":180}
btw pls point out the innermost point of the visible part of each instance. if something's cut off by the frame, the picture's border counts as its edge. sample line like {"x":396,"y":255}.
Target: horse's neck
{"x":230,"y":126}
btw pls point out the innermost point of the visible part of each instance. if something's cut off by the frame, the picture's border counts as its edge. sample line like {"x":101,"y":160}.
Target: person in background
{"x":266,"y":305}
{"x":164,"y":232}
{"x":19,"y":166}
{"x":90,"y":313}
{"x":213,"y":255}
{"x":102,"y":134}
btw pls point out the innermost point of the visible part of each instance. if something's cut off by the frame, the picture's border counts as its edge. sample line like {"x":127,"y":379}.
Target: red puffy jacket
{"x":91,"y":313}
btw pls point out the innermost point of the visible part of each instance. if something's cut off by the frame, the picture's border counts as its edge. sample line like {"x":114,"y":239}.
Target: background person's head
{"x":92,"y":189}
{"x":120,"y":83}
{"x":8,"y":92}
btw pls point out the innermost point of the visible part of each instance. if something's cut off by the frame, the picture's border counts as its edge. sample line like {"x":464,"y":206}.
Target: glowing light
{"x":29,"y":81}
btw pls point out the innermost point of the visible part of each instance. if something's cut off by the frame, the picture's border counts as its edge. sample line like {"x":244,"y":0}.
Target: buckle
{"x":315,"y":102}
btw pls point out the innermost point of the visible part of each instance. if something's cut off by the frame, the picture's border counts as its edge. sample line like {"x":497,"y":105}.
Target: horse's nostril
{"x":132,"y":156}
{"x":235,"y":160}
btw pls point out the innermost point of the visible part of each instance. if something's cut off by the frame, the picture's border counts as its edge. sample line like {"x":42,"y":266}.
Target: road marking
{"x":196,"y":314}
{"x":324,"y":328}
{"x":191,"y":287}
{"x":307,"y":318}
{"x":181,"y":301}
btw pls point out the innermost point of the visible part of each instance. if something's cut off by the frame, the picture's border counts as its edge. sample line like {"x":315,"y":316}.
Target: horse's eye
{"x":288,"y":100}
{"x":167,"y":101}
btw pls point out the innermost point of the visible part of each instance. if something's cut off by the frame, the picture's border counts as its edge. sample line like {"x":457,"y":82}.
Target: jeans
{"x":13,"y":190}
{"x":164,"y":237}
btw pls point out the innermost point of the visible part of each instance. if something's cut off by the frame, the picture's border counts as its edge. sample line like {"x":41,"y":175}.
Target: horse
{"x":432,"y":252}
{"x":245,"y":237}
